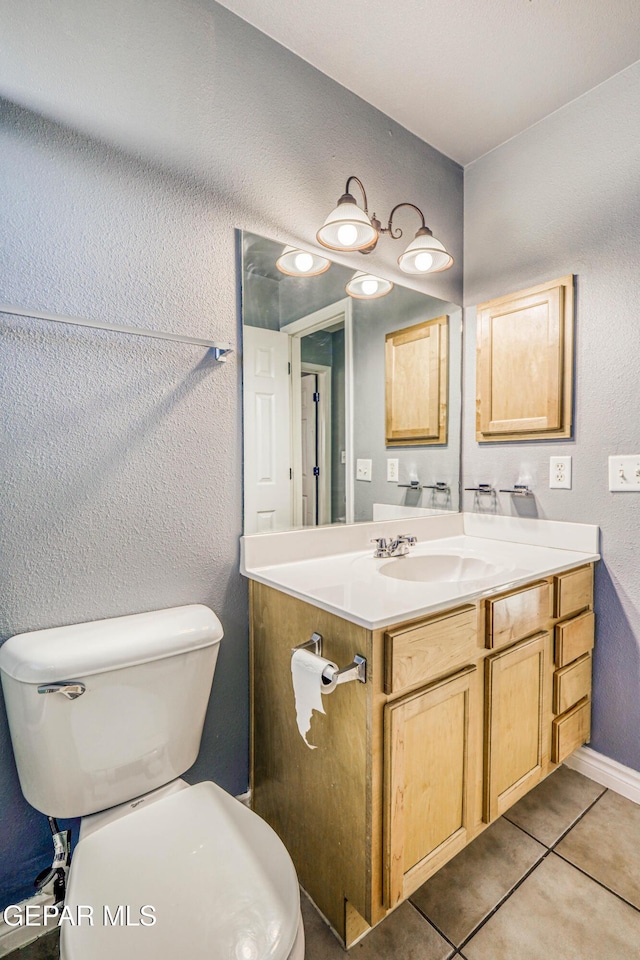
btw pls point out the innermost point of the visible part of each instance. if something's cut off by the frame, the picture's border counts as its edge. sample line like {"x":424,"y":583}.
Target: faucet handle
{"x":382,"y":546}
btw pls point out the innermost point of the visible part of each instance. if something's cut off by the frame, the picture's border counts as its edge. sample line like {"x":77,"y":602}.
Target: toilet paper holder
{"x":357,"y":670}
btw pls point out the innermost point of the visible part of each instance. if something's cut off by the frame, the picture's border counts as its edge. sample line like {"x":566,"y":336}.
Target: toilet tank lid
{"x":85,"y":649}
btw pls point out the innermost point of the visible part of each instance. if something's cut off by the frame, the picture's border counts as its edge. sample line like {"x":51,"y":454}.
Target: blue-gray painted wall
{"x":134,"y":139}
{"x":564,"y":197}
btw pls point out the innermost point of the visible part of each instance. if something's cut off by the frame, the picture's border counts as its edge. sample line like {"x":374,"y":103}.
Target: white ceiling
{"x":464,"y":75}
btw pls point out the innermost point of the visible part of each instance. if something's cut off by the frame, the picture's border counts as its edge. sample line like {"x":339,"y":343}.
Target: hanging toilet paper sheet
{"x":309,"y":686}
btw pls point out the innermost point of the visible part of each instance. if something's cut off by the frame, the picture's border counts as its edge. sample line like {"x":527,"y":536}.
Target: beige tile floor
{"x":556,"y":878}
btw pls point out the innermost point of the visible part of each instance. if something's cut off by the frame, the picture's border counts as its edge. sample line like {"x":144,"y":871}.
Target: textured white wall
{"x":564,"y":197}
{"x":139,"y":135}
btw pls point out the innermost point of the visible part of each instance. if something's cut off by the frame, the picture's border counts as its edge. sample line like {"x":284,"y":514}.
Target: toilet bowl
{"x":213,"y":876}
{"x":104,"y":718}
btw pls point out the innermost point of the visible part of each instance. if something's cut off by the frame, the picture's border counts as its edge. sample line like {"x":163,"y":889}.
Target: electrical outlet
{"x":393,"y":471}
{"x":363,"y":469}
{"x":624,"y":473}
{"x":560,"y":473}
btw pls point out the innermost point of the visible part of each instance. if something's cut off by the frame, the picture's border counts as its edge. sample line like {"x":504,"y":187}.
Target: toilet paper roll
{"x":309,"y":684}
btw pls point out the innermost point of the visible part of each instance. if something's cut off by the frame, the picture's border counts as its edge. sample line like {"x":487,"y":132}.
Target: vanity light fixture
{"x":364,"y":286}
{"x":300,"y":263}
{"x":349,"y":227}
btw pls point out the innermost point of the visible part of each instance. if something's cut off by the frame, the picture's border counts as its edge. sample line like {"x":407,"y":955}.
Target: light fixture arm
{"x":396,"y":233}
{"x":347,"y":197}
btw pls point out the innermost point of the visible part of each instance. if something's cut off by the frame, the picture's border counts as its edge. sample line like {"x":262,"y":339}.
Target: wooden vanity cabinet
{"x":462,"y":713}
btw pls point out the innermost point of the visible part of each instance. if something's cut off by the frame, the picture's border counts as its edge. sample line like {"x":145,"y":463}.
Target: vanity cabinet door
{"x":517,"y":730}
{"x":429,"y":777}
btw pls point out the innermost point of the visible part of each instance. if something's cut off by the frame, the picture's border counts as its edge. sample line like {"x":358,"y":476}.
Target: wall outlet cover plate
{"x":393,"y":470}
{"x":363,"y":469}
{"x":560,"y":473}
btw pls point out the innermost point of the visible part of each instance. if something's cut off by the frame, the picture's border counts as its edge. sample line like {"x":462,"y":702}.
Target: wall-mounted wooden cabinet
{"x":462,"y":713}
{"x":525,"y":364}
{"x":416,"y":383}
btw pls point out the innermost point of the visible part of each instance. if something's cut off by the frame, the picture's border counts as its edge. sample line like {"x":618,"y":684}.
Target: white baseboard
{"x":609,"y":773}
{"x":11,"y":938}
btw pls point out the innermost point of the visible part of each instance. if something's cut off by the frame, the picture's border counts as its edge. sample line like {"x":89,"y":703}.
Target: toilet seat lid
{"x":221,"y":883}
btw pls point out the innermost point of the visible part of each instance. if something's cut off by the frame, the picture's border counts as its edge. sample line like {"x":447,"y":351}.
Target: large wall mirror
{"x":351,"y":406}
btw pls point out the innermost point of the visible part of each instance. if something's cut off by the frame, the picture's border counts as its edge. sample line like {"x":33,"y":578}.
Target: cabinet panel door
{"x":416,"y":383}
{"x":430,"y":771}
{"x":525,"y":346}
{"x":518,"y":722}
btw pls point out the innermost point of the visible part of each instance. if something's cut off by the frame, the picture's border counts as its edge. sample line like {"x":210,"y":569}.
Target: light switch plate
{"x":363,"y":469}
{"x":393,"y":470}
{"x":624,"y":473}
{"x":560,"y":473}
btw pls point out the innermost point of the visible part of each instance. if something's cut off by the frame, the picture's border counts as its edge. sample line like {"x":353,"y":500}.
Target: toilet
{"x":104,"y":719}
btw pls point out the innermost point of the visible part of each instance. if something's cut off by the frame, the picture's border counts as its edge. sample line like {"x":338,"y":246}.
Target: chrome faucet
{"x":394,"y":546}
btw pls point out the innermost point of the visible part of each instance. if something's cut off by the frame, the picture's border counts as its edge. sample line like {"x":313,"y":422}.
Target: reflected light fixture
{"x":364,"y":286}
{"x":300,"y":263}
{"x":349,"y":227}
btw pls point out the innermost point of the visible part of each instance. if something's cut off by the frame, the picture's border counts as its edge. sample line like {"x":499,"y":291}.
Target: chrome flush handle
{"x":71,"y":689}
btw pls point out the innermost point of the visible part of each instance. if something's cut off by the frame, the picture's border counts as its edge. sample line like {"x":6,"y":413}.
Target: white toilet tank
{"x":131,"y":722}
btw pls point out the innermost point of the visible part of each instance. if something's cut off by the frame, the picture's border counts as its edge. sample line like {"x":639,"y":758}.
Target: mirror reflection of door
{"x":310,"y":467}
{"x":316,"y":440}
{"x":267,"y":464}
{"x":318,"y":361}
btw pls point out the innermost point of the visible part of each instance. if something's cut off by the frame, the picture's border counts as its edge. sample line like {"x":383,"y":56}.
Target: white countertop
{"x":348,"y":582}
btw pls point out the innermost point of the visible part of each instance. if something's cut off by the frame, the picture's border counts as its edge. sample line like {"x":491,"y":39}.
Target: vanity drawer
{"x":517,"y":615}
{"x":572,"y":684}
{"x":429,"y":649}
{"x":573,"y":638}
{"x":570,"y":731}
{"x":573,"y":591}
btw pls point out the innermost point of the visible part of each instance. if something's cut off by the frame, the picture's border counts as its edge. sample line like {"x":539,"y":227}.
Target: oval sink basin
{"x":441,"y":568}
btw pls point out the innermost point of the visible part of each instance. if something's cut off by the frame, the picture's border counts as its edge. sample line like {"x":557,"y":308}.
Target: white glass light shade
{"x":425,"y":254}
{"x":300,"y":263}
{"x":347,"y":228}
{"x":364,"y":286}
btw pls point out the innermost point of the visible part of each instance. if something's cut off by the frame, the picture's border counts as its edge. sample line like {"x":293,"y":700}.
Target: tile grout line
{"x":484,"y":920}
{"x":577,"y":821}
{"x":595,"y":880}
{"x":548,"y":851}
{"x":565,"y":832}
{"x":435,"y":927}
{"x":506,"y":897}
